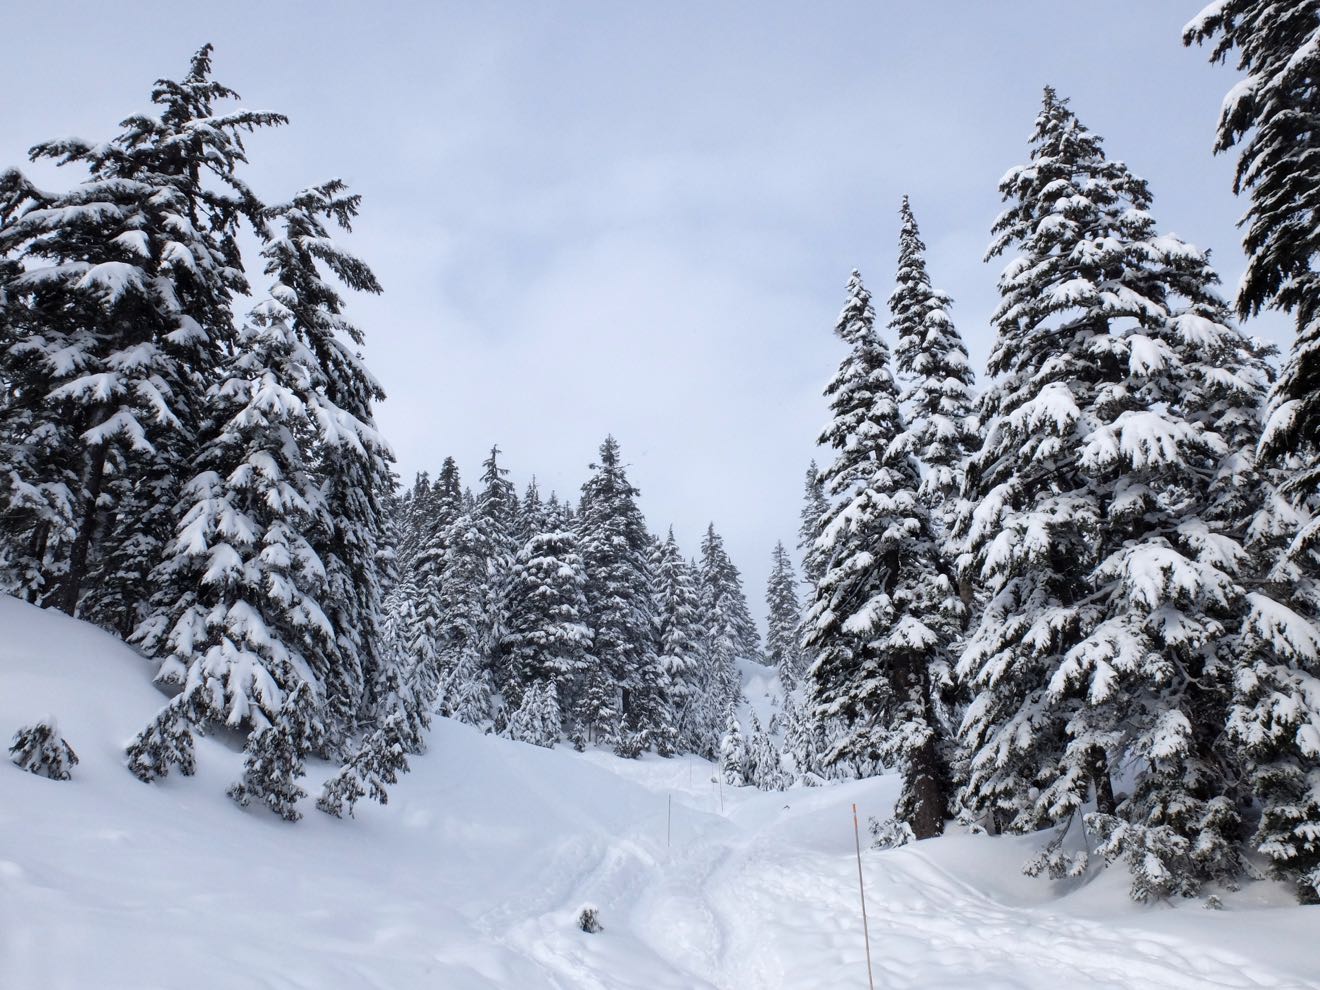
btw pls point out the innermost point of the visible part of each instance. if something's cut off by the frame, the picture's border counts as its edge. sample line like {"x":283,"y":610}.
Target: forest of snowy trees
{"x":1081,"y":594}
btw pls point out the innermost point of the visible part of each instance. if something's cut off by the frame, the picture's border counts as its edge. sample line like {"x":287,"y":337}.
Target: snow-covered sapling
{"x":379,"y":761}
{"x":40,"y":749}
{"x":589,"y":920}
{"x":890,"y":833}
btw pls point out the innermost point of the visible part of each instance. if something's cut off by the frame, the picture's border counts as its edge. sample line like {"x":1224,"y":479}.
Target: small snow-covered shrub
{"x":589,"y":920}
{"x":630,"y":745}
{"x":39,"y":749}
{"x":1056,"y":862}
{"x":890,"y":833}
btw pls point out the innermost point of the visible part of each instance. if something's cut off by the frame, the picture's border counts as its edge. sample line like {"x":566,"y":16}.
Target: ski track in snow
{"x":472,"y":878}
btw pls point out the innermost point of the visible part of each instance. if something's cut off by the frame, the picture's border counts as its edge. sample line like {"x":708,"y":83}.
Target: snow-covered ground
{"x":474,"y":874}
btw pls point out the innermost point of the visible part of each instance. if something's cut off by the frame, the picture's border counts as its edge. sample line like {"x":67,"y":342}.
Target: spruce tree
{"x":814,"y":508}
{"x":937,"y":380}
{"x":730,"y":632}
{"x":378,"y":761}
{"x":118,"y":312}
{"x":243,"y":603}
{"x":679,"y":645}
{"x":39,"y":748}
{"x":354,"y":463}
{"x":496,"y":516}
{"x":273,"y":757}
{"x":881,"y":615}
{"x":546,"y":639}
{"x":733,"y":753}
{"x":1110,"y":571}
{"x":784,"y":619}
{"x":1270,"y":115}
{"x":615,"y":547}
{"x":538,"y":719}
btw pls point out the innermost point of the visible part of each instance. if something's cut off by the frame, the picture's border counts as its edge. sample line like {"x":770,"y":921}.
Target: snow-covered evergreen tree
{"x":815,"y":505}
{"x":931,"y":364}
{"x":783,"y":649}
{"x":242,"y":599}
{"x":733,"y":753}
{"x":730,"y":632}
{"x":538,"y":719}
{"x":882,"y":613}
{"x":1270,"y":115}
{"x":615,"y":548}
{"x":1109,"y":569}
{"x":496,"y":516}
{"x":118,"y":307}
{"x":546,"y":639}
{"x":378,"y":761}
{"x":679,"y":645}
{"x":764,"y":768}
{"x":354,"y":463}
{"x":273,"y":757}
{"x":167,"y":740}
{"x":39,"y":748}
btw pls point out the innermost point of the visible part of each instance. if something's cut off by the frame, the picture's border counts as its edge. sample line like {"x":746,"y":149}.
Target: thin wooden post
{"x":861,"y":889}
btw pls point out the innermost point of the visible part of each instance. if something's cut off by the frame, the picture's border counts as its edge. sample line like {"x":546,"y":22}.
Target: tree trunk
{"x":1104,"y":787}
{"x":93,"y":477}
{"x":929,"y":791}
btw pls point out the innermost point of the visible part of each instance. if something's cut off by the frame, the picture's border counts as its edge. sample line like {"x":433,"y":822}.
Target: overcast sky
{"x":639,"y":218}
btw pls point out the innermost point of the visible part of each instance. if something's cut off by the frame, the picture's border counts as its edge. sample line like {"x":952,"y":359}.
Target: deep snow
{"x":473,"y":876}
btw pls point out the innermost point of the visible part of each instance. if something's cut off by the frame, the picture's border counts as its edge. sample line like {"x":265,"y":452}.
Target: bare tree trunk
{"x":93,"y":478}
{"x":1104,"y":787}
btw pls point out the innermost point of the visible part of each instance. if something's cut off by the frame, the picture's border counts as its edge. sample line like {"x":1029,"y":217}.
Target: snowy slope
{"x":473,"y":875}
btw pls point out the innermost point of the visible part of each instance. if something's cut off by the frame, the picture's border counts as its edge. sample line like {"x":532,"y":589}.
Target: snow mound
{"x":474,"y":875}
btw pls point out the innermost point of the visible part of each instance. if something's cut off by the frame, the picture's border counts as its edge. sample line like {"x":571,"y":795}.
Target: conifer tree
{"x":538,"y":718}
{"x":733,"y":753}
{"x":784,"y":620}
{"x":40,"y":749}
{"x":496,"y":516}
{"x":378,"y":761}
{"x":1113,"y":427}
{"x":464,"y":598}
{"x":547,"y":639}
{"x":679,"y":645}
{"x":167,"y":740}
{"x":615,"y":548}
{"x":273,"y":757}
{"x":243,"y":595}
{"x":354,"y":463}
{"x":730,"y":633}
{"x":814,"y":508}
{"x":881,"y":615}
{"x":937,"y":380}
{"x":1270,"y":115}
{"x":118,"y":309}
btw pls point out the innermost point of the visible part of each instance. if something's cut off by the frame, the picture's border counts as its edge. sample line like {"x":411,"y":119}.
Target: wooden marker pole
{"x":861,"y":889}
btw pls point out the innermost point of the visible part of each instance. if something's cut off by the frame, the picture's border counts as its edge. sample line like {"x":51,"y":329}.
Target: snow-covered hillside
{"x":474,"y":874}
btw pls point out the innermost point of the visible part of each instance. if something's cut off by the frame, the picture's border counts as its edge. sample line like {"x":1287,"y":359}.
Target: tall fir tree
{"x":880,"y":616}
{"x":1270,"y":115}
{"x":119,"y":307}
{"x":615,"y":548}
{"x":1110,"y":574}
{"x":783,"y":649}
{"x":730,"y":632}
{"x":937,"y":380}
{"x":679,"y":644}
{"x":546,"y":639}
